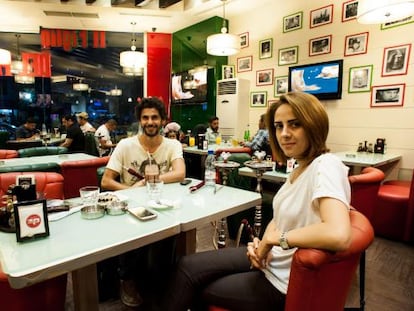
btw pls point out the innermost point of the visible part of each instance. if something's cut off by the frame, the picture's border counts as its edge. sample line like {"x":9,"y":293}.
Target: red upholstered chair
{"x":80,"y":173}
{"x":8,"y":154}
{"x":364,"y":190}
{"x":394,"y":215}
{"x":320,"y":280}
{"x":46,"y":295}
{"x":50,"y":184}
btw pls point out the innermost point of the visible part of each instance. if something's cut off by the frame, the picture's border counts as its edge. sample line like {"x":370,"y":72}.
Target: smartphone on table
{"x":142,"y":213}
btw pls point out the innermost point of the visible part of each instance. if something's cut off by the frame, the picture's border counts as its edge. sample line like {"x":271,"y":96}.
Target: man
{"x":260,"y":140}
{"x":103,"y":135}
{"x":27,"y":130}
{"x":213,"y":130}
{"x":145,"y":264}
{"x":84,"y":124}
{"x":75,"y":140}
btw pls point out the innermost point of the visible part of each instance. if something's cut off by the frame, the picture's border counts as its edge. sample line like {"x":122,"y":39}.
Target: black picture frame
{"x":31,"y":220}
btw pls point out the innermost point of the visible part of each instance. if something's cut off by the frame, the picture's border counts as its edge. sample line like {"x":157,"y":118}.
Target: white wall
{"x":352,"y":120}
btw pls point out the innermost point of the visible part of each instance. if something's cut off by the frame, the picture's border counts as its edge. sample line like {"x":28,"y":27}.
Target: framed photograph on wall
{"x":387,"y":95}
{"x":264,"y":77}
{"x":258,"y":99}
{"x":292,"y":22}
{"x":320,"y":45}
{"x":395,"y":60}
{"x":281,"y":85}
{"x":360,"y":79}
{"x":227,"y":72}
{"x":244,"y":40}
{"x":244,"y":63}
{"x":349,"y":10}
{"x":356,"y":44}
{"x":288,"y":56}
{"x":400,"y":22}
{"x":265,"y":48}
{"x":321,"y":16}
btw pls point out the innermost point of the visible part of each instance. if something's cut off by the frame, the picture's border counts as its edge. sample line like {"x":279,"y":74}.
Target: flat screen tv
{"x":324,"y":80}
{"x":189,"y":87}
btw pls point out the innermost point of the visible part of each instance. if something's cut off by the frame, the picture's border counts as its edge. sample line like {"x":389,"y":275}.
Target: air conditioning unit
{"x":233,"y":106}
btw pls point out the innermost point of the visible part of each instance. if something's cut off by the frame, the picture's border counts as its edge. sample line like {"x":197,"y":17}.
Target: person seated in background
{"x":173,"y":131}
{"x":146,"y":267}
{"x":311,"y":210}
{"x":213,"y":130}
{"x":84,"y":124}
{"x":260,"y":140}
{"x":103,"y":135}
{"x":75,"y":140}
{"x":27,"y":130}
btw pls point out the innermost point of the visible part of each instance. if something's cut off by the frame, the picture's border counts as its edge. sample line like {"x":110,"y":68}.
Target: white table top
{"x":365,"y":159}
{"x":268,"y":175}
{"x":75,"y":242}
{"x":58,"y":158}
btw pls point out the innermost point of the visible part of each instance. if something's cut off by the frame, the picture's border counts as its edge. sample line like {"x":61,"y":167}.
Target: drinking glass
{"x":154,"y":189}
{"x":89,"y":195}
{"x":152,"y":173}
{"x":218,"y":140}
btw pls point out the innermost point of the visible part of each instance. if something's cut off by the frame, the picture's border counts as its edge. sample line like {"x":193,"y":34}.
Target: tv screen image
{"x":324,"y":80}
{"x":189,"y":87}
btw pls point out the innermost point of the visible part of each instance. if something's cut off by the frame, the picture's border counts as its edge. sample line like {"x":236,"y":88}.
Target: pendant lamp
{"x":16,"y":66}
{"x":80,"y":86}
{"x":223,"y":44}
{"x":133,"y":59}
{"x":384,"y":11}
{"x":5,"y":57}
{"x":24,"y":79}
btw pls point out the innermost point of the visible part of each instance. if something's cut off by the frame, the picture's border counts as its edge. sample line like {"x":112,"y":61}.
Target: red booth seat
{"x":8,"y":154}
{"x":81,"y":173}
{"x":46,"y":295}
{"x":394,"y":216}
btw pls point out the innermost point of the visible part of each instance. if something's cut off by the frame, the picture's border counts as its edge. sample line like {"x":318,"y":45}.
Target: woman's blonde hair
{"x":312,"y":117}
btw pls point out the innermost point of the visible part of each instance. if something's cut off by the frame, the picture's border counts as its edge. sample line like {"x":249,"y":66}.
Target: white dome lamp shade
{"x":5,"y":57}
{"x":223,"y":44}
{"x":133,"y":58}
{"x":384,"y":11}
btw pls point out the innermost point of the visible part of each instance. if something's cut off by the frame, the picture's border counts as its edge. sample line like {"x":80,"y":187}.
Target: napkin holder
{"x":31,"y":220}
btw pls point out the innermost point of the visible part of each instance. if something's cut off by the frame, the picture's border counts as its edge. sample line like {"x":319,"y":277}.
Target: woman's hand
{"x":252,"y":255}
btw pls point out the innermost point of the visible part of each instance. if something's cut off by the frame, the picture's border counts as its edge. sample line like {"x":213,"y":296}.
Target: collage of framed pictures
{"x":281,"y":85}
{"x":387,"y":95}
{"x":292,"y":22}
{"x":356,"y":44}
{"x":244,"y":40}
{"x":360,"y":79}
{"x":245,"y":63}
{"x":321,"y":16}
{"x":264,"y":77}
{"x":349,"y":10}
{"x":258,"y":99}
{"x":265,"y":48}
{"x":288,"y":56}
{"x":395,"y":60}
{"x":320,"y":45}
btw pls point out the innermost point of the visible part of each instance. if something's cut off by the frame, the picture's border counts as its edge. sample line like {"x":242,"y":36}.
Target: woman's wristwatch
{"x":283,"y":242}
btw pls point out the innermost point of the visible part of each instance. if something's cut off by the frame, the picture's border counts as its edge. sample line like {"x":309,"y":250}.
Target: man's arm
{"x":109,"y":181}
{"x":67,"y":142}
{"x":176,"y":174}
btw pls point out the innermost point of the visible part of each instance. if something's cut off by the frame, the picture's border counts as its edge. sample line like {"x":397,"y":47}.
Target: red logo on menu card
{"x":33,"y":221}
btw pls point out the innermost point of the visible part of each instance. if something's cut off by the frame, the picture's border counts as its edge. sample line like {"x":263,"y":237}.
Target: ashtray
{"x":92,"y":212}
{"x":116,"y":208}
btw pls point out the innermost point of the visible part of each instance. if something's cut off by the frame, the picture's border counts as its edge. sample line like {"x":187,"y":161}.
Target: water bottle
{"x":210,"y":170}
{"x":246,"y":135}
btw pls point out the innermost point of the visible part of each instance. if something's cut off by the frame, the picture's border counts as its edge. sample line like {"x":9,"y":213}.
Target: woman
{"x":311,"y":210}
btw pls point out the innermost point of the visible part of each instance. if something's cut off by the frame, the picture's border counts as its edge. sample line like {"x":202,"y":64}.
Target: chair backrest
{"x":20,"y":144}
{"x":40,"y":151}
{"x":364,"y":190}
{"x":50,"y":184}
{"x":35,"y":167}
{"x":409,"y":224}
{"x":320,"y":280}
{"x":91,"y":144}
{"x":8,"y":154}
{"x":80,"y":173}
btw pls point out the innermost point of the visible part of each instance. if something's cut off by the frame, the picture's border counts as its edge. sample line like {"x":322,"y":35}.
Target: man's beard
{"x":149,"y":132}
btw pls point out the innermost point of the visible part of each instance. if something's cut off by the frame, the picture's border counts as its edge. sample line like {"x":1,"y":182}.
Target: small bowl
{"x":92,"y":212}
{"x":116,"y":208}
